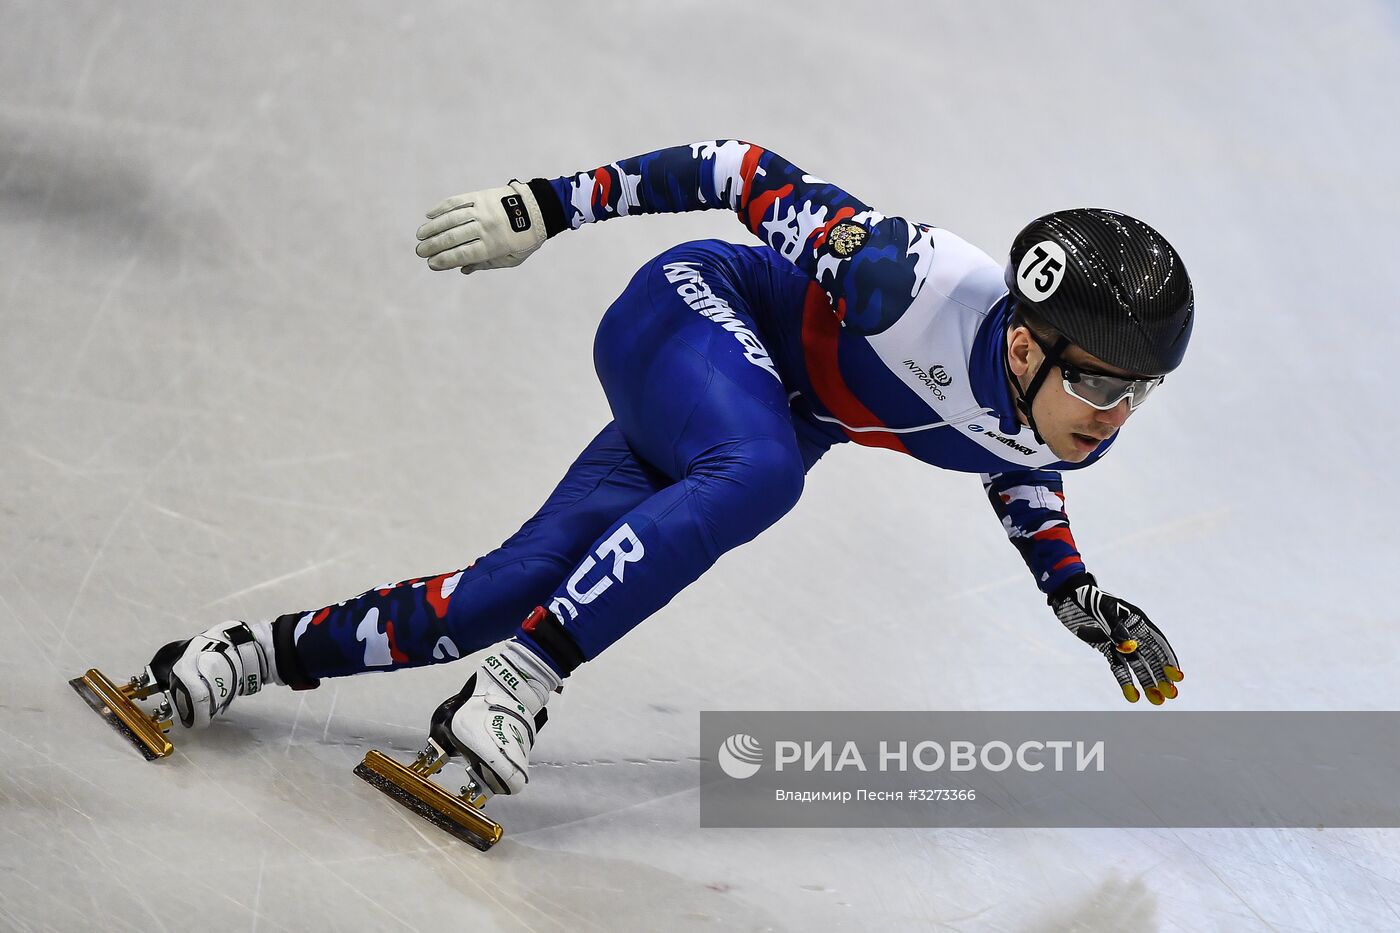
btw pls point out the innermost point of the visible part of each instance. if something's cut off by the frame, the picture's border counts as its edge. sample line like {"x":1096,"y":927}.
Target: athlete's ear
{"x":1022,"y":354}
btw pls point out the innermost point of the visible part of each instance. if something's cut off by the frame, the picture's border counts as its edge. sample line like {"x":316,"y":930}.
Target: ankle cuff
{"x":548,"y":638}
{"x":289,"y":669}
{"x":261,"y":633}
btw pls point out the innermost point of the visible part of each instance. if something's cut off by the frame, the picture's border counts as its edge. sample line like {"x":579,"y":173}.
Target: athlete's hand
{"x":492,"y":229}
{"x":1123,"y":634}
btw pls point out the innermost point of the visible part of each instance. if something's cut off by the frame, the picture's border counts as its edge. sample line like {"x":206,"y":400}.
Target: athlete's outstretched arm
{"x":1031,"y":505}
{"x":870,"y":265}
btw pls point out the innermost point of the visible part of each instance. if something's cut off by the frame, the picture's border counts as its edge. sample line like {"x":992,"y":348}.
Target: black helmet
{"x":1109,"y":283}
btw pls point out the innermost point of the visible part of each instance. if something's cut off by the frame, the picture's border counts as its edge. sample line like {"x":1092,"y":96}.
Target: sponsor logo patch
{"x":693,"y":290}
{"x":930,"y":381}
{"x":515,"y":210}
{"x":1019,"y":448}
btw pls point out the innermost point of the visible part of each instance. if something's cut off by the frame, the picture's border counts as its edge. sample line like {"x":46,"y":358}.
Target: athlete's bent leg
{"x":696,"y":394}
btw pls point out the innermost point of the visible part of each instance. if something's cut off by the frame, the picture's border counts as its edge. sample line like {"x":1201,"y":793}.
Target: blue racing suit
{"x":729,"y":371}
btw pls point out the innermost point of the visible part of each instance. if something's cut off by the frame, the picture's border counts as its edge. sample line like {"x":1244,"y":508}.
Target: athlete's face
{"x":1070,"y":427}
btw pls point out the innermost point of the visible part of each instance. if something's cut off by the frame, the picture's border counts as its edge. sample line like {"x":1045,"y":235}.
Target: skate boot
{"x":194,"y":680}
{"x":489,"y":727}
{"x":493,"y":721}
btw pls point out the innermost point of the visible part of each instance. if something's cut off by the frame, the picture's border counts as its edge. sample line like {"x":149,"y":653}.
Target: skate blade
{"x":445,"y":810}
{"x":113,"y":703}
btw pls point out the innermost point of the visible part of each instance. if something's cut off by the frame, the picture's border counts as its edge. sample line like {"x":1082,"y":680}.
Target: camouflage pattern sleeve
{"x":1031,"y":506}
{"x":871,"y":266}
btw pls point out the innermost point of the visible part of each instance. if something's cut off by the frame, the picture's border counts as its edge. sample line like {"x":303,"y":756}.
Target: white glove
{"x":492,"y":229}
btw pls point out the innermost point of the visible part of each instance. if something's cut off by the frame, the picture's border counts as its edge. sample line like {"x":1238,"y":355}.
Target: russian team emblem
{"x":847,"y":237}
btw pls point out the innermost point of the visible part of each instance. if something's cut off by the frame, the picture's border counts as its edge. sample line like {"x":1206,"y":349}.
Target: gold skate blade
{"x":444,"y":810}
{"x":113,"y":703}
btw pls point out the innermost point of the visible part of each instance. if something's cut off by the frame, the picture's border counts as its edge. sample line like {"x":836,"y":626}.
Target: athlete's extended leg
{"x":443,"y":617}
{"x":416,"y":622}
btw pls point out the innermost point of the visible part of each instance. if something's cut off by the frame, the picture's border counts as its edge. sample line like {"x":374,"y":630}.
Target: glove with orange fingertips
{"x":1138,"y":654}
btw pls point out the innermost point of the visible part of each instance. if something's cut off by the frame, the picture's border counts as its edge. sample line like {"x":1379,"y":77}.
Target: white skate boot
{"x":490,"y":726}
{"x":199,"y":677}
{"x":492,"y":723}
{"x":203,"y":674}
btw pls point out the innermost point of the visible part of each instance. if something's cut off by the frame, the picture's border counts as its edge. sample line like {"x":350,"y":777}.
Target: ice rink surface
{"x":228,"y":389}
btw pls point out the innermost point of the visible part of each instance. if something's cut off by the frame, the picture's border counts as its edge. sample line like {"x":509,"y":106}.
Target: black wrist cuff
{"x":550,"y":208}
{"x":545,"y":630}
{"x":289,"y":668}
{"x":1064,"y":590}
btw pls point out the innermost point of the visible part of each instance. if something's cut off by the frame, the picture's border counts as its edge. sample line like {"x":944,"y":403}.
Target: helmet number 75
{"x":1049,"y":259}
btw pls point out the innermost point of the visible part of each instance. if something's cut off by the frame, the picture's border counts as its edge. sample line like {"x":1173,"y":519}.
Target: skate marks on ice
{"x":239,"y":829}
{"x":568,"y":801}
{"x":530,"y":887}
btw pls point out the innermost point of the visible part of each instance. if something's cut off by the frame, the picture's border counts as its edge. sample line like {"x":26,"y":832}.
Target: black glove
{"x":1123,"y":634}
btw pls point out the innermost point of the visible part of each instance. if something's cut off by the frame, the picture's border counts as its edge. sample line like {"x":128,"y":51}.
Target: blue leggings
{"x":702,"y":455}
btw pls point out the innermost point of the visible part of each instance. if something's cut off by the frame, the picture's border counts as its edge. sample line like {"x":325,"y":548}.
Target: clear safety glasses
{"x":1103,"y":391}
{"x":1096,"y":389}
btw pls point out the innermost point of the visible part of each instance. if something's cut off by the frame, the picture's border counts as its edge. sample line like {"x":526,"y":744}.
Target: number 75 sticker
{"x":1040,"y":271}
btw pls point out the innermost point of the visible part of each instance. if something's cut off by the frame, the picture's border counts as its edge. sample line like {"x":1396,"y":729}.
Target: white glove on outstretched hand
{"x":492,"y":229}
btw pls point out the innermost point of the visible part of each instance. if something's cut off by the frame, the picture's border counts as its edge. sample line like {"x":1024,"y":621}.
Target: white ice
{"x":228,"y":389}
